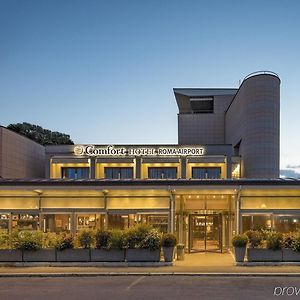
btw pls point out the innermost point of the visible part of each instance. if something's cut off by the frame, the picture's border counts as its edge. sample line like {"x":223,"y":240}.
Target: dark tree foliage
{"x":41,"y":135}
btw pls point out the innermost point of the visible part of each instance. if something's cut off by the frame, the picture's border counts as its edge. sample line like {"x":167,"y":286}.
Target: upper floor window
{"x":206,"y":172}
{"x":118,"y":173}
{"x":162,"y":172}
{"x":202,"y":105}
{"x":75,"y":173}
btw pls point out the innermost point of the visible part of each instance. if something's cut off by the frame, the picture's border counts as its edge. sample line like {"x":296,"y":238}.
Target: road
{"x":149,"y":287}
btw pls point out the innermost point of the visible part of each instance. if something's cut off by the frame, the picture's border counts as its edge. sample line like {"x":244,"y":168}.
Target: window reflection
{"x":75,"y":173}
{"x":162,"y":172}
{"x":118,"y":173}
{"x":25,"y":221}
{"x":206,"y":172}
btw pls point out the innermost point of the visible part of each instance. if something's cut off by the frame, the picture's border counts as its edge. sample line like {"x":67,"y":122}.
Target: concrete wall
{"x":20,"y":157}
{"x":204,"y":128}
{"x":253,"y":119}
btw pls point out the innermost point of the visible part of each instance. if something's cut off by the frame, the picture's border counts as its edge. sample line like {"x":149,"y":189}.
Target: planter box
{"x":290,"y":255}
{"x":239,"y":253}
{"x":168,"y":253}
{"x":75,"y":255}
{"x":10,"y":255}
{"x":262,"y":255}
{"x":46,"y":255}
{"x":142,"y":255}
{"x":107,"y":255}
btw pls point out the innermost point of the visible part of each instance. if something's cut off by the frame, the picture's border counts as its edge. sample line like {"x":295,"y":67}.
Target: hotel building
{"x":220,"y":179}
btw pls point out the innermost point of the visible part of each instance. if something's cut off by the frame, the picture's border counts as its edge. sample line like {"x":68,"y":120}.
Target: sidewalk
{"x":208,"y":264}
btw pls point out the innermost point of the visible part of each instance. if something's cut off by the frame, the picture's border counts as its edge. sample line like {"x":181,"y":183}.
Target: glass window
{"x":286,"y":223}
{"x":206,"y":172}
{"x":75,"y":173}
{"x":25,"y":221}
{"x":162,"y":172}
{"x":118,"y":173}
{"x":4,"y":221}
{"x":256,"y":222}
{"x":90,"y":221}
{"x":118,"y":222}
{"x":57,"y":223}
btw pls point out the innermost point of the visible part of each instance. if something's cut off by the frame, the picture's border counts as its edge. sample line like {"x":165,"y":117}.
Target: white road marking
{"x":135,"y":282}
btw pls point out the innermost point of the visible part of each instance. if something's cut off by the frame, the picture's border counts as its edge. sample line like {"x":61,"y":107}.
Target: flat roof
{"x":150,"y":182}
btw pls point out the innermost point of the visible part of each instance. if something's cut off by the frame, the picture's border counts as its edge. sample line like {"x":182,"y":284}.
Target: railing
{"x":261,"y":72}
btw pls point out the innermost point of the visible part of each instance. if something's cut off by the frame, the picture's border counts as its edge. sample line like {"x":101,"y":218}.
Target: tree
{"x":41,"y":135}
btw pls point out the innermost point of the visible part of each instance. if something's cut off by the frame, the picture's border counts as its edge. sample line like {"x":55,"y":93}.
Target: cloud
{"x":289,"y":173}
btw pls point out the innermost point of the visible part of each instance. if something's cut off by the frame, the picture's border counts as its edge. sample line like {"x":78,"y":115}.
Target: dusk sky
{"x":103,"y":71}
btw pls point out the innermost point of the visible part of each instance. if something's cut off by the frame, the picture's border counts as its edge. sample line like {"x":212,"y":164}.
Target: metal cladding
{"x":247,"y":118}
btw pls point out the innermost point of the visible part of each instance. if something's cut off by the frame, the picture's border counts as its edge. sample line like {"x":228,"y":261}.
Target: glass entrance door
{"x":205,"y":232}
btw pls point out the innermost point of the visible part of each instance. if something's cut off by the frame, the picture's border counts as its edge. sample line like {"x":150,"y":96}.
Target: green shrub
{"x":49,"y":239}
{"x":64,"y":241}
{"x":255,"y":238}
{"x":274,"y":240}
{"x":134,"y":236}
{"x":288,"y":240}
{"x":116,"y":239}
{"x":296,"y":242}
{"x":240,"y":240}
{"x":27,"y":240}
{"x":4,"y":240}
{"x":102,"y":239}
{"x":86,"y":238}
{"x":169,"y":240}
{"x":152,"y":240}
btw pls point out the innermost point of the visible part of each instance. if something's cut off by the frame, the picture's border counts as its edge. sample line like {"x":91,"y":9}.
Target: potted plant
{"x":255,"y":239}
{"x":67,"y":253}
{"x":6,"y":253}
{"x":109,"y":246}
{"x":30,"y":243}
{"x":168,"y":243}
{"x":142,"y":244}
{"x":291,"y":247}
{"x":239,"y":242}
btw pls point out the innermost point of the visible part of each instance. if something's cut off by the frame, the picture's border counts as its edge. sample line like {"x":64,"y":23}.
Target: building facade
{"x":221,"y":178}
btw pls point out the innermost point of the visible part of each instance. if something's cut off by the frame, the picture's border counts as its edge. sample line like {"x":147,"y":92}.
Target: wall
{"x":20,"y":157}
{"x":253,"y":121}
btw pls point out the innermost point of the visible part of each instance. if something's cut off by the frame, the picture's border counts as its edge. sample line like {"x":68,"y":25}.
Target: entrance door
{"x":205,"y":232}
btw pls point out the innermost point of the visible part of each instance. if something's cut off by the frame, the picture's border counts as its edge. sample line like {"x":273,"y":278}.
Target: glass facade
{"x":57,"y":223}
{"x":206,"y":172}
{"x":4,"y":223}
{"x":25,"y":221}
{"x":118,"y":173}
{"x":75,"y":173}
{"x":162,"y":172}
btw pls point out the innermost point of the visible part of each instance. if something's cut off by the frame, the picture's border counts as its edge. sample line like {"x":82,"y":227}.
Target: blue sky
{"x":103,"y":71}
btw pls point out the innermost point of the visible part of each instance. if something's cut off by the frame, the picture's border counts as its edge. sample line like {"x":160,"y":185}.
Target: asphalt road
{"x":150,"y":287}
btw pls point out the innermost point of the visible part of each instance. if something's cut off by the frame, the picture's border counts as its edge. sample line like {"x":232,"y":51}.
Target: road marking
{"x":134,"y":283}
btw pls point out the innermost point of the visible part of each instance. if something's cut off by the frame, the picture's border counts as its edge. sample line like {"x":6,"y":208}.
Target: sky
{"x":104,"y":71}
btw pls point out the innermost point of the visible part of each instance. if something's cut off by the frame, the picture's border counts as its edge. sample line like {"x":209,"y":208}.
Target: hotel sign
{"x":91,"y":150}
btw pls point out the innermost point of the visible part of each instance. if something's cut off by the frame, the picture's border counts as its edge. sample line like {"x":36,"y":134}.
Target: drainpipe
{"x":105,"y":192}
{"x":172,"y":211}
{"x":238,"y":217}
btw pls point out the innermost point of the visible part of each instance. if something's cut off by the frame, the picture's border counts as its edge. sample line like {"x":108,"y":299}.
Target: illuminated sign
{"x":111,"y":150}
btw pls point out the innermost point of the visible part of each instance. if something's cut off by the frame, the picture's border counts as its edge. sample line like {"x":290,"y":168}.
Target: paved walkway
{"x":197,"y":263}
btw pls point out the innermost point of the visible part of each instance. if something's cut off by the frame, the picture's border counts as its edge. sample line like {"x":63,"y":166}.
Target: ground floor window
{"x":25,"y":221}
{"x":162,"y":172}
{"x":206,"y":172}
{"x":57,"y":223}
{"x":286,"y":223}
{"x":281,"y":223}
{"x":122,"y":221}
{"x":4,"y":223}
{"x":90,"y":221}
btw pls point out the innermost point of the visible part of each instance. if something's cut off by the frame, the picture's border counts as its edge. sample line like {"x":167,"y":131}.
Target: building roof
{"x":149,"y":182}
{"x":184,"y":95}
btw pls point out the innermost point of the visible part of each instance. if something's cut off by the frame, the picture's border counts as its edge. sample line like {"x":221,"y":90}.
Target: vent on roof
{"x":202,"y":105}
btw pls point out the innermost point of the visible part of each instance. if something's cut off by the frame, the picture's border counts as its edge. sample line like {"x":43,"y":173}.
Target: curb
{"x":96,"y":274}
{"x":87,"y":264}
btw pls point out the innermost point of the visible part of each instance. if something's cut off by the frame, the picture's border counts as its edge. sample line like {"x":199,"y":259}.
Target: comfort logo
{"x":78,"y":150}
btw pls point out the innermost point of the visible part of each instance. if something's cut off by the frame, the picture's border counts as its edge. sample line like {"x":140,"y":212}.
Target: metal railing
{"x":259,"y":73}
